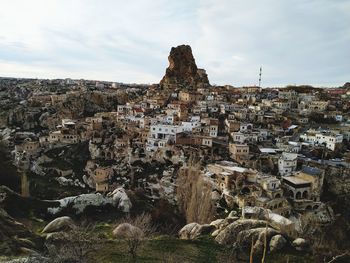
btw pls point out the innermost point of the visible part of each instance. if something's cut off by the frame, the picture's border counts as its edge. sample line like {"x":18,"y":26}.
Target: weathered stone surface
{"x":217,"y":223}
{"x":277,"y":242}
{"x":121,"y":200}
{"x":215,"y":233}
{"x":189,"y":231}
{"x":275,"y":220}
{"x":31,"y":259}
{"x":229,"y":235}
{"x":245,"y":237}
{"x":300,"y":244}
{"x":227,"y":221}
{"x":232,"y":214}
{"x":194,"y":230}
{"x":182,"y":70}
{"x":15,"y":237}
{"x":205,"y":229}
{"x":59,"y":224}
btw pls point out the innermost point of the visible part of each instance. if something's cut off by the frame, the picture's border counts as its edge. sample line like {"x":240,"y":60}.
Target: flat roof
{"x":267,"y":150}
{"x":295,"y":180}
{"x":311,"y":170}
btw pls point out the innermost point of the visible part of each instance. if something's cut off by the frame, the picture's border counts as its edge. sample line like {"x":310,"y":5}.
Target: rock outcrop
{"x":59,"y":224}
{"x":229,"y":234}
{"x":300,"y":244}
{"x":277,"y":242}
{"x":194,"y":230}
{"x":15,"y":238}
{"x":121,"y":200}
{"x":258,"y":235}
{"x":240,"y":233}
{"x":182,"y":71}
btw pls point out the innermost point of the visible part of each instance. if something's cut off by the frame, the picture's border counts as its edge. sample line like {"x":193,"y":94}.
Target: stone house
{"x":28,"y":146}
{"x":239,"y":152}
{"x":101,"y":177}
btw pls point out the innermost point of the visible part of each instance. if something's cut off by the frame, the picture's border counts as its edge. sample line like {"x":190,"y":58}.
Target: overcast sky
{"x":295,"y":41}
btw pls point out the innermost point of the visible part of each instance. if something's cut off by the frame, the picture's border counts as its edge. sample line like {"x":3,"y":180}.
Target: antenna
{"x":260,"y":76}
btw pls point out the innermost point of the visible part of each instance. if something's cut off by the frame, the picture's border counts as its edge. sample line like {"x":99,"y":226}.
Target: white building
{"x":245,"y":137}
{"x":160,"y":131}
{"x":153,"y":144}
{"x":282,"y":104}
{"x":287,"y":163}
{"x":189,"y":125}
{"x":330,"y":140}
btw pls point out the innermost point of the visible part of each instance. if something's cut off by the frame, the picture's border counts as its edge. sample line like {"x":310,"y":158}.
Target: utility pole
{"x":260,"y":76}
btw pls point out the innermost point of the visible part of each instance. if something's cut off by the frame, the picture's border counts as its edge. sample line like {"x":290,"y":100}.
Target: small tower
{"x":260,"y":76}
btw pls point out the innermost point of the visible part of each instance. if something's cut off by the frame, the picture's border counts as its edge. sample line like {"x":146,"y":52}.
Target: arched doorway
{"x":305,"y":195}
{"x":298,"y":195}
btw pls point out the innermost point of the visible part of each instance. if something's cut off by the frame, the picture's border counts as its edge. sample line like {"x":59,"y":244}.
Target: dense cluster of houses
{"x":264,"y":147}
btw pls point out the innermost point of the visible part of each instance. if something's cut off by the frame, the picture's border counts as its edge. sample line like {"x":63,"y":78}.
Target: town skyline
{"x":303,"y":43}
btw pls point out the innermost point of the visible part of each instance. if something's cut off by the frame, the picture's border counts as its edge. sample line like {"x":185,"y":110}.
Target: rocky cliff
{"x":183,"y":71}
{"x":15,"y":237}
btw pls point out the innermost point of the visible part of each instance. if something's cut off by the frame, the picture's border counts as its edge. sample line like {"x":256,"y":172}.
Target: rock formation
{"x":194,"y":230}
{"x":182,"y":71}
{"x":15,"y":237}
{"x":58,"y":224}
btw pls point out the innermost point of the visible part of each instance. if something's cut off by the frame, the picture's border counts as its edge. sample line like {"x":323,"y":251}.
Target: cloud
{"x":304,"y":41}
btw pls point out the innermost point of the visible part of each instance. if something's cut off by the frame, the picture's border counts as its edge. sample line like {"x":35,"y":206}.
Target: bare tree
{"x":251,"y":255}
{"x":265,"y":240}
{"x":338,"y":257}
{"x":75,"y":246}
{"x":322,"y":244}
{"x":194,"y":194}
{"x":137,"y":231}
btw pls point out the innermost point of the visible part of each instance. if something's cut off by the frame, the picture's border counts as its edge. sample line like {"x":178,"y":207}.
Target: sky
{"x":295,"y":41}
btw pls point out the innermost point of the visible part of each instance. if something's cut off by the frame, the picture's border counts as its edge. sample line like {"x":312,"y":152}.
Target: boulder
{"x":229,"y":234}
{"x":194,"y":230}
{"x":277,"y":242}
{"x":300,"y":244}
{"x":232,"y":214}
{"x":59,"y":224}
{"x":227,"y":221}
{"x":189,"y":231}
{"x":78,"y":204}
{"x":126,"y":231}
{"x":56,"y":236}
{"x":217,"y":223}
{"x":215,"y":233}
{"x":205,"y":229}
{"x":33,"y":258}
{"x":275,"y":220}
{"x":121,"y":200}
{"x":245,"y":237}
